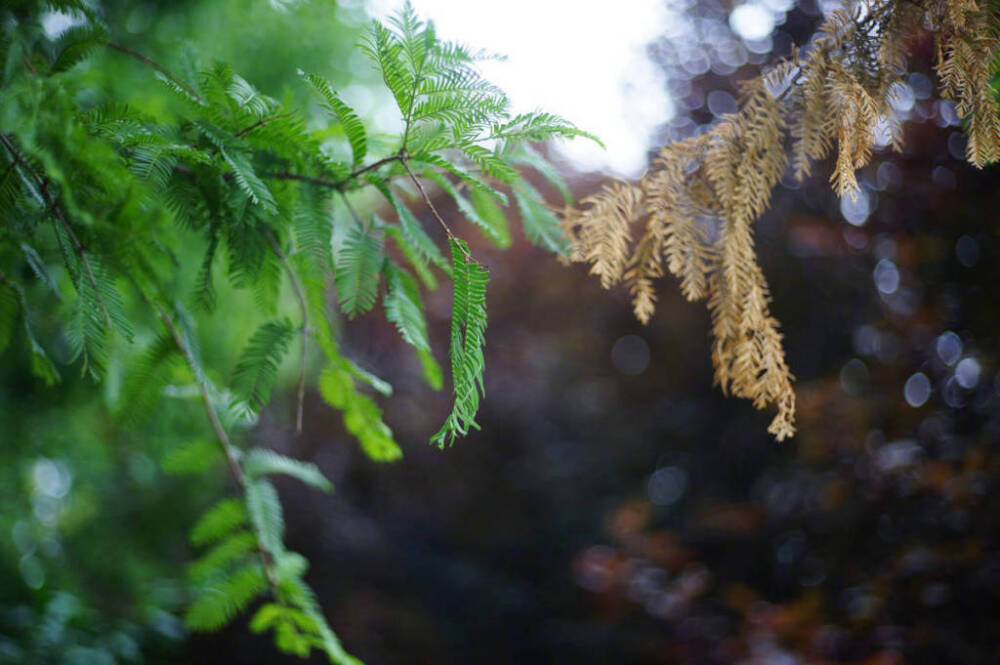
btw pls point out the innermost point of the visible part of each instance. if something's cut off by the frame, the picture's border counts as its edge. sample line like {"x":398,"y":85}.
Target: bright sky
{"x":584,"y":60}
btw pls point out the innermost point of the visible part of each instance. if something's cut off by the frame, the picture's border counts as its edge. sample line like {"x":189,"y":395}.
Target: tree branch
{"x":334,"y":184}
{"x":57,"y":213}
{"x":157,"y":66}
{"x":266,"y":558}
{"x":300,"y":296}
{"x":430,"y":204}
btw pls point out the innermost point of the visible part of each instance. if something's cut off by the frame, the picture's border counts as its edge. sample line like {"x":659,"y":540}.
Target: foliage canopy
{"x":101,"y":200}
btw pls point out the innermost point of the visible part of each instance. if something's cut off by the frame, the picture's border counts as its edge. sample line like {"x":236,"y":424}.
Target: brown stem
{"x":300,"y":296}
{"x":157,"y":66}
{"x":335,"y":184}
{"x":430,"y":204}
{"x":285,"y":175}
{"x":371,"y":167}
{"x":260,"y":123}
{"x":57,"y":213}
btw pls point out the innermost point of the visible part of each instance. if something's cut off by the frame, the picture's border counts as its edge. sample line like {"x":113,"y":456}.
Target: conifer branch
{"x":301,"y":297}
{"x":78,"y":247}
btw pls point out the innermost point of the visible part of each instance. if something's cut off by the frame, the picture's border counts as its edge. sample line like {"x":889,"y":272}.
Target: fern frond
{"x":216,"y":606}
{"x":494,"y":228}
{"x":469,"y":179}
{"x":258,"y":365}
{"x":221,"y":519}
{"x":233,"y":549}
{"x":384,"y":48}
{"x":362,"y":417}
{"x":538,"y":126}
{"x":260,"y":462}
{"x":264,"y":511}
{"x":353,"y":127}
{"x":357,"y":271}
{"x":468,"y":327}
{"x":541,"y":226}
{"x":76,"y":44}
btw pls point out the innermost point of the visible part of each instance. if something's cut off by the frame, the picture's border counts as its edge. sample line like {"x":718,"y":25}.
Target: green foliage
{"x":353,"y":127}
{"x":258,"y":366}
{"x":141,"y":211}
{"x":260,"y":462}
{"x":220,"y":520}
{"x":358,"y":266}
{"x":468,"y":328}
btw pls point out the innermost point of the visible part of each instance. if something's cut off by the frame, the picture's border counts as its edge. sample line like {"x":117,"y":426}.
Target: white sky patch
{"x":585,"y":61}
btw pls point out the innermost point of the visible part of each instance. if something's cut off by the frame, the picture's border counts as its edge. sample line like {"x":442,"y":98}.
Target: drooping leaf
{"x":353,"y":127}
{"x":220,"y":520}
{"x":357,"y":271}
{"x":258,"y":365}
{"x":260,"y":462}
{"x":468,"y":327}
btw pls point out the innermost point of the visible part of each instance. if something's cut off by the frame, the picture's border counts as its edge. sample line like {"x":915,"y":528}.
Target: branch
{"x":228,"y":450}
{"x":333,"y":184}
{"x":300,"y":296}
{"x":320,"y":182}
{"x":157,"y":66}
{"x":260,"y":123}
{"x":430,"y":204}
{"x":74,"y":240}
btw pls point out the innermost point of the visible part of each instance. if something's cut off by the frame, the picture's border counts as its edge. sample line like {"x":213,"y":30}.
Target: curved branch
{"x":57,"y":213}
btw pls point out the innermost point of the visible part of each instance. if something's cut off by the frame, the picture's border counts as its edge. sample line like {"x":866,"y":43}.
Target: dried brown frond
{"x":602,"y":233}
{"x":702,"y":195}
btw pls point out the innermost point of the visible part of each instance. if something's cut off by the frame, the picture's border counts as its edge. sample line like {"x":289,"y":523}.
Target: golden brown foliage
{"x":697,"y":203}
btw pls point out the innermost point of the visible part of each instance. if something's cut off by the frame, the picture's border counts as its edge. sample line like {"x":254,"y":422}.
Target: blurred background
{"x":615,"y":506}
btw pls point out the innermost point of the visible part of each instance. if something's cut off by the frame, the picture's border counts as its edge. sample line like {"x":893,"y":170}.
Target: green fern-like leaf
{"x":217,"y":605}
{"x":362,"y":417}
{"x":260,"y":462}
{"x":405,"y":309}
{"x":384,"y":48}
{"x":191,"y":457}
{"x":357,"y":271}
{"x":76,"y":44}
{"x":495,"y":228}
{"x":229,"y":551}
{"x":353,"y":127}
{"x":221,"y":519}
{"x":264,"y":509}
{"x":258,"y":366}
{"x":540,"y":225}
{"x":468,"y":327}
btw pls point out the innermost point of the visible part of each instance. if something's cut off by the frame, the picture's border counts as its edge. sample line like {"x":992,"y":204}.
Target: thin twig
{"x":350,"y":209}
{"x":157,"y":66}
{"x":334,"y":184}
{"x":300,"y":296}
{"x":285,"y":175}
{"x":430,"y":204}
{"x":57,"y":213}
{"x":371,"y":167}
{"x":260,"y":123}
